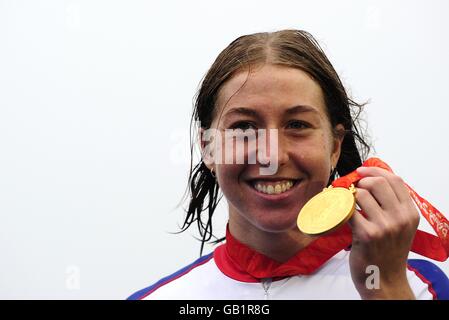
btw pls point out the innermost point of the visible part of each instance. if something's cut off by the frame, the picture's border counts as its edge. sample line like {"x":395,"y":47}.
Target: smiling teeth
{"x":273,"y":188}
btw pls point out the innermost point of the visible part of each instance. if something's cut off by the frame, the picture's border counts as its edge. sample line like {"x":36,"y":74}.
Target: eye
{"x":297,"y":124}
{"x":243,"y":125}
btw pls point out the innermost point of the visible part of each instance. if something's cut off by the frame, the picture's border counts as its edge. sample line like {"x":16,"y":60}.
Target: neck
{"x":279,"y":246}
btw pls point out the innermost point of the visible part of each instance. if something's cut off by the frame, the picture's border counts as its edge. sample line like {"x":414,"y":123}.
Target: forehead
{"x":273,"y":87}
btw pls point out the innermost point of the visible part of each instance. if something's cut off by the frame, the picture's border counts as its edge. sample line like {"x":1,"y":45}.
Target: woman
{"x":282,"y":85}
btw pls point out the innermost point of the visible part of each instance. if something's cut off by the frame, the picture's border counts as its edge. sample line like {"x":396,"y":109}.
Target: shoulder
{"x":435,"y":279}
{"x":179,"y":284}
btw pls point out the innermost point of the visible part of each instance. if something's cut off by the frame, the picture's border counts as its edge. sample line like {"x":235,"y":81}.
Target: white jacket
{"x":219,"y":276}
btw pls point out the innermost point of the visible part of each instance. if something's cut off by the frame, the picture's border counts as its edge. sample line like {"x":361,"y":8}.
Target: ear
{"x":338,"y":136}
{"x":206,"y":149}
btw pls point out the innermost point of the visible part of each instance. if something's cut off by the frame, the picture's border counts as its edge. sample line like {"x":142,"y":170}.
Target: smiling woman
{"x":282,"y":85}
{"x":307,"y":150}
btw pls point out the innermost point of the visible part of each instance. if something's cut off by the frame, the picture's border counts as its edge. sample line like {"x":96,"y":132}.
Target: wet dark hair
{"x":292,"y":48}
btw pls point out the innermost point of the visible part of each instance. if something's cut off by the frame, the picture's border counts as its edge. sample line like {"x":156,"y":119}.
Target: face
{"x":289,"y":100}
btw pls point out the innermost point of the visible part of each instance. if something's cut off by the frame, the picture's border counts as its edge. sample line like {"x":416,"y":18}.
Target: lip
{"x":265,"y":178}
{"x":274,"y":197}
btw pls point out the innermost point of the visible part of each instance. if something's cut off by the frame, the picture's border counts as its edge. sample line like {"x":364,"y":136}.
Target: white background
{"x":95,"y":103}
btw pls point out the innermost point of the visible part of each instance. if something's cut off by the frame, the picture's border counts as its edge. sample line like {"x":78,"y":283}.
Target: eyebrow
{"x":301,"y":109}
{"x":289,"y":111}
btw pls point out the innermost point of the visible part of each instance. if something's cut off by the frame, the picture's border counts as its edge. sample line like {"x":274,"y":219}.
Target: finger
{"x":360,"y":226}
{"x":396,"y":183}
{"x":370,"y":207}
{"x":381,"y":190}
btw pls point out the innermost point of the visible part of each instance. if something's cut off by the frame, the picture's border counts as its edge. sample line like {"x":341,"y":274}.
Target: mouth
{"x":273,"y":189}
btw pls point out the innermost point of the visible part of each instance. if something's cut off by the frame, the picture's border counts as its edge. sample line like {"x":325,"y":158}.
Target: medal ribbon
{"x":426,"y":244}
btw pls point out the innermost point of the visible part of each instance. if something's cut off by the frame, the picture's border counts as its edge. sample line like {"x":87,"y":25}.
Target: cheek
{"x":326,"y":143}
{"x":231,"y":185}
{"x":229,"y":176}
{"x":313,"y":163}
{"x":313,"y":155}
{"x":237,"y":150}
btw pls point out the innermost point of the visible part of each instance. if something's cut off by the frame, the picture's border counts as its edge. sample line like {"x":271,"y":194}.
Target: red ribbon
{"x":426,"y":244}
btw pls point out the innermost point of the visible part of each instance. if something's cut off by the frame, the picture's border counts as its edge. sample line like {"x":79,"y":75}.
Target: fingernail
{"x":362,"y":170}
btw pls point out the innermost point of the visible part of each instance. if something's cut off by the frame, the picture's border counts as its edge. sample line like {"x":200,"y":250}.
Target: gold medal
{"x":327,"y":210}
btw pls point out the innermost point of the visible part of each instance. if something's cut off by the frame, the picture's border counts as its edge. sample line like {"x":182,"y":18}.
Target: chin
{"x":276,"y":224}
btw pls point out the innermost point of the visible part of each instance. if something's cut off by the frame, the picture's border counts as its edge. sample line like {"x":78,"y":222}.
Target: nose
{"x":283,"y":151}
{"x":272,"y":150}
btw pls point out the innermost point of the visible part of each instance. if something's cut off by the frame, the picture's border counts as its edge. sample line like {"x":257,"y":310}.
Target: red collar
{"x":240,"y":262}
